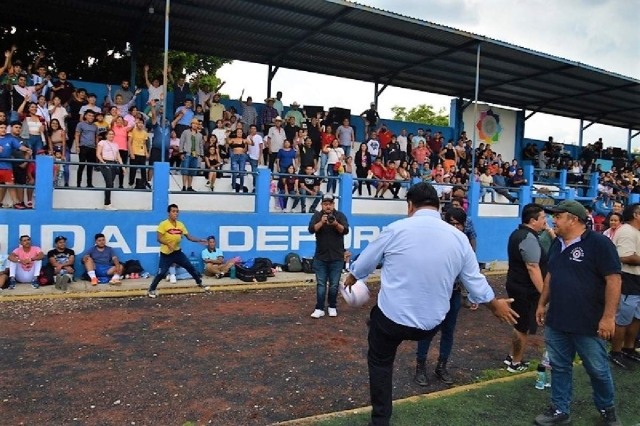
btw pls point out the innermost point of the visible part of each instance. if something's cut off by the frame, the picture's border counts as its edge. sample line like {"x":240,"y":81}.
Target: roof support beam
{"x":317,"y":30}
{"x":271,"y":73}
{"x":591,"y":92}
{"x":527,"y":77}
{"x":392,"y":75}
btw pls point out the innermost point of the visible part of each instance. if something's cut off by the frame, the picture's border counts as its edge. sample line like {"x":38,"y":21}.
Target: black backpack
{"x":307,"y":265}
{"x":293,"y":263}
{"x":47,"y":275}
{"x":132,"y":266}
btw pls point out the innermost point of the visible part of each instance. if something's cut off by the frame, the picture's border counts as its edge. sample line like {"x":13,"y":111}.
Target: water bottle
{"x":195,"y":262}
{"x":545,"y":360}
{"x":232,"y":272}
{"x":541,"y":377}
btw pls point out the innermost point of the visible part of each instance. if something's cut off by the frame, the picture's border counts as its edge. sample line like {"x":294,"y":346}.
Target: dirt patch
{"x":227,"y":358}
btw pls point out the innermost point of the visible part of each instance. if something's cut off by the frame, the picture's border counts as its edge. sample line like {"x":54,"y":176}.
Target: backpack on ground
{"x":307,"y":265}
{"x":293,"y":263}
{"x":47,"y":275}
{"x":254,"y":270}
{"x":132,"y":266}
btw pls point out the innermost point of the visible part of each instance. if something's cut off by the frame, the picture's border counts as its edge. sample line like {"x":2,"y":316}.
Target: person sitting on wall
{"x":101,"y":263}
{"x":213,"y":258}
{"x":25,"y":263}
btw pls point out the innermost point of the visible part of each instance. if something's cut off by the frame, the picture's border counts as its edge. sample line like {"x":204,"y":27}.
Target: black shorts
{"x":525,"y":305}
{"x":19,"y":175}
{"x":156,"y":155}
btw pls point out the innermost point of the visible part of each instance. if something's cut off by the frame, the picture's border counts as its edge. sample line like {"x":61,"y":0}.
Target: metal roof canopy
{"x":344,"y":39}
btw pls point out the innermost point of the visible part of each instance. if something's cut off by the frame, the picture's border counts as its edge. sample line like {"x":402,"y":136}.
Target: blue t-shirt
{"x":8,"y":144}
{"x":577,"y":286}
{"x":212,"y":255}
{"x":286,"y":158}
{"x":103,"y":257}
{"x":186,"y":117}
{"x":159,"y":134}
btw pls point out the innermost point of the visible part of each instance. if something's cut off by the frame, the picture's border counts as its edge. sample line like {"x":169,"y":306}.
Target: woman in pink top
{"x":120,"y":138}
{"x":615,"y":221}
{"x":419,"y":154}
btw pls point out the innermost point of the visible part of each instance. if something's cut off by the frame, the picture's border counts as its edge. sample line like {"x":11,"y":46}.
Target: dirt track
{"x":229,"y":358}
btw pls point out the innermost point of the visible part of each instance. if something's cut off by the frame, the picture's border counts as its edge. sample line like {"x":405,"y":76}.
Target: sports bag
{"x":293,"y":263}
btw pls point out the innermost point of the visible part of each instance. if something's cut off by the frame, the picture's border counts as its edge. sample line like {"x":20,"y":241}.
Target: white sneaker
{"x":318,"y":313}
{"x":333,"y":312}
{"x":172,"y":278}
{"x":110,"y":207}
{"x":152,"y":294}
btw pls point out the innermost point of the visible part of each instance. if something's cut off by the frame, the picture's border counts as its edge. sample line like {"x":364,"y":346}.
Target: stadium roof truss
{"x":344,"y":39}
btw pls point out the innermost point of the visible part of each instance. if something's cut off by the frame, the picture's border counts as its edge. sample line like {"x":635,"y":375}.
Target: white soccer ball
{"x":357,"y":295}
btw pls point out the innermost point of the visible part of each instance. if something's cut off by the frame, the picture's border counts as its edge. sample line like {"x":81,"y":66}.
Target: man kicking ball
{"x":170,"y":233}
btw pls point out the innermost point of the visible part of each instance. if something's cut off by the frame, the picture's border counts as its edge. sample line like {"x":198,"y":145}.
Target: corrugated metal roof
{"x":346,"y":39}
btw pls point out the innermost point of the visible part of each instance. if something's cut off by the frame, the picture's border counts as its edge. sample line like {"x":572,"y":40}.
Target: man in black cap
{"x":62,"y":258}
{"x":582,"y":289}
{"x":329,"y":226}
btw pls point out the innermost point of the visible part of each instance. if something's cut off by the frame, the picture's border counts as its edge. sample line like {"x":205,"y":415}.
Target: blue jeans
{"x":562,"y":348}
{"x":189,"y":162}
{"x":302,"y":199}
{"x":332,"y":184}
{"x":447,"y":330}
{"x":238,"y":163}
{"x":483,"y":192}
{"x":323,"y":164}
{"x":166,"y":260}
{"x":35,"y":143}
{"x":327,"y":271}
{"x":254,"y":169}
{"x":346,"y":149}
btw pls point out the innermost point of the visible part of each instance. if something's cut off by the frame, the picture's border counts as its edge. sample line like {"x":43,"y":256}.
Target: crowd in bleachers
{"x":203,"y":137}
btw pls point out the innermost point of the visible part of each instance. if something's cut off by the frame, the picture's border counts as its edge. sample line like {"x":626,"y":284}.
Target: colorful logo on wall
{"x":489,"y":127}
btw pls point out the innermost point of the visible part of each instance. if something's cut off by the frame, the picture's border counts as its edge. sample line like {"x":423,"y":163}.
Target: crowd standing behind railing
{"x":52,"y":117}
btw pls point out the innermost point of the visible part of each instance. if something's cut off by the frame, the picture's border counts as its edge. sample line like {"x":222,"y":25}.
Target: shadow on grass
{"x":512,"y":403}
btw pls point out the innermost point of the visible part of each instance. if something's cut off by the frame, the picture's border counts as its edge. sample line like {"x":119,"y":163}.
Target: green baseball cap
{"x":569,"y":206}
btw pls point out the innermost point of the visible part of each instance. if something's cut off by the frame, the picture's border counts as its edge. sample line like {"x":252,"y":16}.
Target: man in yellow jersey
{"x":170,"y":233}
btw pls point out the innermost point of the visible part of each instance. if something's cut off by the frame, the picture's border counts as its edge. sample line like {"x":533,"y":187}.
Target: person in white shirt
{"x":486,"y":183}
{"x":156,"y":90}
{"x":373,"y":146}
{"x":413,"y":301}
{"x":254,"y":151}
{"x":402,"y":140}
{"x":277,"y":137}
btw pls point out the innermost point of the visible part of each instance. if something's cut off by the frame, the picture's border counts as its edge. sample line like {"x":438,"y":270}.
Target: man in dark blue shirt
{"x":160,"y":141}
{"x":582,"y":288}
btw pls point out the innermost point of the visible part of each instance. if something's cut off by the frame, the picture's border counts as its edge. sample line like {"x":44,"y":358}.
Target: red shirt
{"x":377,"y":171}
{"x":390,"y":174}
{"x":327,"y":139}
{"x":384,"y":138}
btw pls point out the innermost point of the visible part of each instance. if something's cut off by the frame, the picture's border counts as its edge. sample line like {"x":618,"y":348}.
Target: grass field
{"x":513,"y":403}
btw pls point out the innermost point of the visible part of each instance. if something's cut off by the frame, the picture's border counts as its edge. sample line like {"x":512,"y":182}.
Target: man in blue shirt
{"x":160,"y":141}
{"x":213,"y":258}
{"x":582,"y":288}
{"x":413,"y":303}
{"x":8,"y":144}
{"x":183,"y":117}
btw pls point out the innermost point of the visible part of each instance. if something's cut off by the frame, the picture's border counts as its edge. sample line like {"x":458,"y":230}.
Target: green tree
{"x":99,"y":60}
{"x":421,"y":114}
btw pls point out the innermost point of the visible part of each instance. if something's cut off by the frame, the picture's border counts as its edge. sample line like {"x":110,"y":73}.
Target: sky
{"x":600,"y":33}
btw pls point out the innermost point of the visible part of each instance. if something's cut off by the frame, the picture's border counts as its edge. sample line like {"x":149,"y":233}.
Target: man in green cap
{"x":582,"y":288}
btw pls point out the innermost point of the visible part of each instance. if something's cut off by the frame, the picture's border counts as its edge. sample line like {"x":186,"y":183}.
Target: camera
{"x":331,"y":218}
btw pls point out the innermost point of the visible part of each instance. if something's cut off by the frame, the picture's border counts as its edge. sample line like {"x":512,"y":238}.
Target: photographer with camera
{"x":330,"y":226}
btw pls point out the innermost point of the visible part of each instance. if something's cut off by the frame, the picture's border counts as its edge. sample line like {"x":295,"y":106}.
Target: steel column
{"x":270,"y":74}
{"x":164,"y":75}
{"x":475,"y":110}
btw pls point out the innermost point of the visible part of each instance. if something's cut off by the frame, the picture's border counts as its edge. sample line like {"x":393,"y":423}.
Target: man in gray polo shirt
{"x":85,"y":145}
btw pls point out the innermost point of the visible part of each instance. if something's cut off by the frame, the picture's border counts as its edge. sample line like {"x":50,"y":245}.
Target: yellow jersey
{"x":139,"y":142}
{"x":171,"y":234}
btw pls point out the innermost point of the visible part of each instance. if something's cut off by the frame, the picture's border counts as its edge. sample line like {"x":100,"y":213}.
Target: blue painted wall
{"x":248,"y":235}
